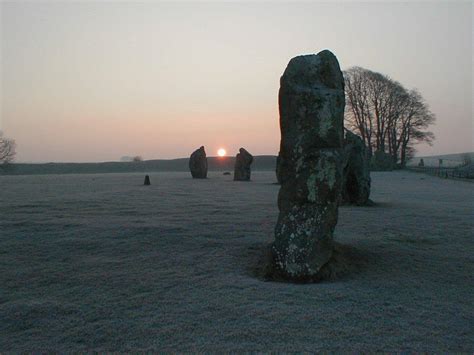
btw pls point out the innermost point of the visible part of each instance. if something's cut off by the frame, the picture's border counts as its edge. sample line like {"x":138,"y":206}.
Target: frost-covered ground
{"x":100,"y":262}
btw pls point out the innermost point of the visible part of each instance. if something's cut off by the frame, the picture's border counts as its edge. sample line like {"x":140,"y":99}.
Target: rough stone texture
{"x":381,"y":161}
{"x":147,"y":181}
{"x":421,"y":163}
{"x":243,"y":160}
{"x":198,"y":164}
{"x":356,"y":174}
{"x":311,"y":102}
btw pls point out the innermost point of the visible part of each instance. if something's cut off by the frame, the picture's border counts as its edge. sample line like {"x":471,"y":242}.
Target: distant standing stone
{"x":381,"y":161}
{"x":356,"y":181}
{"x":421,"y":163}
{"x":147,"y":181}
{"x":311,"y":103}
{"x":198,"y":164}
{"x":243,"y":160}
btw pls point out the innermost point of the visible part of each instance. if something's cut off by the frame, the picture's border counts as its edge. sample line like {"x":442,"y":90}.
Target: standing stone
{"x":311,"y":103}
{"x":356,"y":176}
{"x":381,"y":161}
{"x":147,"y":181}
{"x":243,"y":160}
{"x":198,"y":164}
{"x":421,"y":163}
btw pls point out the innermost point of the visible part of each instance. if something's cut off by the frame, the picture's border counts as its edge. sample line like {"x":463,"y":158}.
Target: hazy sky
{"x":94,"y":81}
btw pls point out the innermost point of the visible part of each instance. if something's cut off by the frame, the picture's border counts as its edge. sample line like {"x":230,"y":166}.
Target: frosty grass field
{"x":100,"y":262}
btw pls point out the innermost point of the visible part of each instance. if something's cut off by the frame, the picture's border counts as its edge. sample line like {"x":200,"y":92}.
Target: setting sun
{"x":221,"y":152}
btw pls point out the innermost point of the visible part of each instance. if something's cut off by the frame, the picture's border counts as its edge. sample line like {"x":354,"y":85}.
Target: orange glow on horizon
{"x":221,"y":152}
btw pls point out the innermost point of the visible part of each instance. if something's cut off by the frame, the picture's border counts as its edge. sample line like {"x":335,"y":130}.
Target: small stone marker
{"x":147,"y":181}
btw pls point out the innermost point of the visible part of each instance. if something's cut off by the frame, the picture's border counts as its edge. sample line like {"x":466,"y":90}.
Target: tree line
{"x":7,"y":149}
{"x":387,"y":116}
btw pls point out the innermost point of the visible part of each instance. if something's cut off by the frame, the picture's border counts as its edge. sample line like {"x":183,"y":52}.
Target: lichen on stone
{"x":311,"y":120}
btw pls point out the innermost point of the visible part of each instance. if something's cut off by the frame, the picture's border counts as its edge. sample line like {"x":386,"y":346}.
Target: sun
{"x":221,"y":152}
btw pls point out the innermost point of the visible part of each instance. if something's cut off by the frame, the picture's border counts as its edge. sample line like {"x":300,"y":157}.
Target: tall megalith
{"x":198,"y":164}
{"x":243,"y":160}
{"x":311,"y":104}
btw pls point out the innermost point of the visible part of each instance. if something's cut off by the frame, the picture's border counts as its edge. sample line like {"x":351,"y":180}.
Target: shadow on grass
{"x":346,"y":262}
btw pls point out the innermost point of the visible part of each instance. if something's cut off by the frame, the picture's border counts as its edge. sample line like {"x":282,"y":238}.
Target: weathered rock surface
{"x":198,"y":164}
{"x":147,"y":181}
{"x":243,"y":160}
{"x":311,"y":103}
{"x":356,"y":176}
{"x":381,"y":161}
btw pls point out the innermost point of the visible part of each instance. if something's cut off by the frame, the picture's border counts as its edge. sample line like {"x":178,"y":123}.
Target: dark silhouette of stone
{"x":277,"y":170}
{"x":381,"y":161}
{"x":243,"y":160}
{"x":311,"y":103}
{"x":147,"y":181}
{"x":226,"y":173}
{"x":198,"y":164}
{"x":356,"y":176}
{"x":421,"y":163}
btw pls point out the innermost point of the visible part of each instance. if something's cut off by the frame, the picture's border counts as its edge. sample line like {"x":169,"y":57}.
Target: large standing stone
{"x":198,"y":164}
{"x":356,"y":181}
{"x":243,"y":160}
{"x":311,"y":101}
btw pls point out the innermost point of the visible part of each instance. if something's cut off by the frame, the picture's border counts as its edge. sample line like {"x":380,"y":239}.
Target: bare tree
{"x":388,"y":117}
{"x":414,"y":120}
{"x":137,"y":158}
{"x":358,"y":115}
{"x":7,"y":149}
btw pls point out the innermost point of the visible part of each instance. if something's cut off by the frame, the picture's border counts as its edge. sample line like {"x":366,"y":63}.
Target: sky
{"x":95,"y":81}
